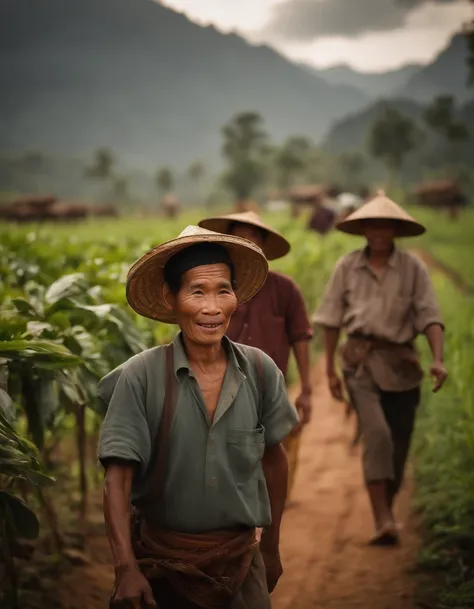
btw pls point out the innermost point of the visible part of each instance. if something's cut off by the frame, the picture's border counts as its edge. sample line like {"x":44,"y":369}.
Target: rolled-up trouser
{"x":386,"y":419}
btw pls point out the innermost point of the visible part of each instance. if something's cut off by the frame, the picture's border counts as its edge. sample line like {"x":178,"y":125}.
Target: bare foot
{"x":386,"y":535}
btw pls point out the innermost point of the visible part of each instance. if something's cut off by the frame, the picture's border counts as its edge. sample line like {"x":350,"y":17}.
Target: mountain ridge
{"x":146,"y":81}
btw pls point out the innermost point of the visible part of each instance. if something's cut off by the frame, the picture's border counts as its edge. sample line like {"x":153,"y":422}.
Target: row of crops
{"x":64,"y":323}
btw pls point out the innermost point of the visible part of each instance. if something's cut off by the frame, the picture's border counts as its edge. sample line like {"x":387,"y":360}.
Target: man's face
{"x":379,"y":234}
{"x":247,"y":231}
{"x":205,"y":303}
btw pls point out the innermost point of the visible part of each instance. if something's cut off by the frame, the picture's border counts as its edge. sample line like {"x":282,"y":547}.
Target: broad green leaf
{"x":65,"y":287}
{"x":21,"y":519}
{"x":100,"y":311}
{"x":38,"y":328}
{"x":24,"y":306}
{"x":68,"y":383}
{"x":39,"y":350}
{"x":7,"y":406}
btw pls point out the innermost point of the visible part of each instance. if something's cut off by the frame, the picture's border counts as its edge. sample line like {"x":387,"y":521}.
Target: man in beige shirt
{"x":383,"y":298}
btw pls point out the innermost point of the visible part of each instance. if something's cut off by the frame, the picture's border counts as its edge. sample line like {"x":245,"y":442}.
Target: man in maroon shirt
{"x":275,"y":320}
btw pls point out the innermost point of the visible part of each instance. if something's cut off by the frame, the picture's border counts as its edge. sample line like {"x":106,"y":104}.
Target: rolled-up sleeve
{"x":425,"y":302}
{"x":331,"y":311}
{"x":125,"y":431}
{"x":298,"y":325}
{"x":279,"y":416}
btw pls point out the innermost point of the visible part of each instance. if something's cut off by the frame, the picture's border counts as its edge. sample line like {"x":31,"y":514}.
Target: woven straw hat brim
{"x":381,"y":208}
{"x":145,"y":279}
{"x":275,"y":246}
{"x":404,"y":228}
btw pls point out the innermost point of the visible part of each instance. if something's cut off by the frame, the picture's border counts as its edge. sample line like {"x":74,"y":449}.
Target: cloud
{"x":307,"y":20}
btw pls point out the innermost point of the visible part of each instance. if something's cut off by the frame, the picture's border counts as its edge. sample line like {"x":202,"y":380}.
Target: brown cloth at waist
{"x":206,"y":569}
{"x":394,"y":366}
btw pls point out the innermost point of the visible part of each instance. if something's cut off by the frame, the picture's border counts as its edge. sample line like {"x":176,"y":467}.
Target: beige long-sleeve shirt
{"x":395,"y":306}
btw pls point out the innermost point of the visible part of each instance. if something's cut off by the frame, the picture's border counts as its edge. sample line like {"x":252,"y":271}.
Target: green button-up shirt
{"x":215,"y":478}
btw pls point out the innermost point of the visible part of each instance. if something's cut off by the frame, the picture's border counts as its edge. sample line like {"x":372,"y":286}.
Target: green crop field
{"x":64,"y":323}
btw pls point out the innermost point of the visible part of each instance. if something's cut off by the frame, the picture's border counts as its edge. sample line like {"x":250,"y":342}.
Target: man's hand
{"x":132,"y":589}
{"x":271,"y":559}
{"x":439,"y":374}
{"x":335,"y":387}
{"x":303,"y":405}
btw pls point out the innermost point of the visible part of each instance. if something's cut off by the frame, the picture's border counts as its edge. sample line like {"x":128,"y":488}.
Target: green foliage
{"x":20,"y":471}
{"x":440,"y":116}
{"x":245,"y":146}
{"x":392,"y":137}
{"x":291,"y":159}
{"x":444,"y":457}
{"x":165,"y":179}
{"x":102,"y":166}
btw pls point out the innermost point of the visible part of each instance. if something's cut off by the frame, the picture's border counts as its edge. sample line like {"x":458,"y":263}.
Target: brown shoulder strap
{"x":157,"y":478}
{"x":261,"y":380}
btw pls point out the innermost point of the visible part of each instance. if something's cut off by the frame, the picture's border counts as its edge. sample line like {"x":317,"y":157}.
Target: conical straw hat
{"x":275,"y":246}
{"x":381,"y":208}
{"x":145,"y":279}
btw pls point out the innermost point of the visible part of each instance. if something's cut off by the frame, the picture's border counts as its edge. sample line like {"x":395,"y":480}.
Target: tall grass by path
{"x":444,"y":460}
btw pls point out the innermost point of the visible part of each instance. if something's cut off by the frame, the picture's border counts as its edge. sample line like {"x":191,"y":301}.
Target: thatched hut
{"x":309,"y":195}
{"x":42,"y":209}
{"x":441,"y":194}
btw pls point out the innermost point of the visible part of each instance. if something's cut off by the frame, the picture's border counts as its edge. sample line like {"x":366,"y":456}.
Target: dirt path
{"x":327,"y":564}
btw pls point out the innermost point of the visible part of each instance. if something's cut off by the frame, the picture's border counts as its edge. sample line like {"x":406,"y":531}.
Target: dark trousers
{"x":386,"y":421}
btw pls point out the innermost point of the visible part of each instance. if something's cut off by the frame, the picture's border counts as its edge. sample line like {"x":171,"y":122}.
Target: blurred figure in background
{"x":383,"y":298}
{"x":275,"y":320}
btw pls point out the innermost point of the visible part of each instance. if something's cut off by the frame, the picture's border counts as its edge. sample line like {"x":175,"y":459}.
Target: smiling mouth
{"x":210,"y":326}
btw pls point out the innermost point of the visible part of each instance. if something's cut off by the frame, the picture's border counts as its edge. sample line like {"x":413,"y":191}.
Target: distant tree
{"x":243,"y":177}
{"x":196,"y":171}
{"x":101,"y":169}
{"x":470,"y":49}
{"x":244,"y":136}
{"x":164,"y":180}
{"x":291,"y":159}
{"x":245,"y":148}
{"x":440,"y":116}
{"x":102,"y":166}
{"x":351,"y":169}
{"x":392,"y":137}
{"x":120,"y":188}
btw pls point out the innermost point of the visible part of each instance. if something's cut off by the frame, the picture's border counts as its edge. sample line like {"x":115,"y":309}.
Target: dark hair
{"x":200,"y":254}
{"x":237,"y":223}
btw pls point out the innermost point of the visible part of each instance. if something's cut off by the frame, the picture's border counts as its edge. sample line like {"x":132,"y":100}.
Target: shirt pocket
{"x":245,"y":452}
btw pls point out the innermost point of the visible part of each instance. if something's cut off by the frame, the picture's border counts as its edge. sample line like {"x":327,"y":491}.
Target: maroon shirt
{"x":274,"y":320}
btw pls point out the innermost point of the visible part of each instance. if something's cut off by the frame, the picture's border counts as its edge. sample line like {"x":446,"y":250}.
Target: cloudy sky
{"x":370,"y":35}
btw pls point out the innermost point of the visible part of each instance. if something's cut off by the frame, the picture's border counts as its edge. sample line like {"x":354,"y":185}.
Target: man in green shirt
{"x":220,"y":462}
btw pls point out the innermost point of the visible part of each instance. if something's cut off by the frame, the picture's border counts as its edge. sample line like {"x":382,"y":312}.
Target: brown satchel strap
{"x":261,"y":383}
{"x":157,"y":479}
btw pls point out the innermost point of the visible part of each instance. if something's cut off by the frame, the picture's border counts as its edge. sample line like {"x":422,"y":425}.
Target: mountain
{"x":446,"y":75}
{"x":434,"y":154}
{"x":351,"y":132}
{"x":145,"y":81}
{"x":375,"y":84}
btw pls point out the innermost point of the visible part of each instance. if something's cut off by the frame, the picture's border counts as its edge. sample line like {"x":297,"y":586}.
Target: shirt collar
{"x":181,"y":362}
{"x":363,"y":259}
